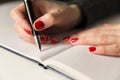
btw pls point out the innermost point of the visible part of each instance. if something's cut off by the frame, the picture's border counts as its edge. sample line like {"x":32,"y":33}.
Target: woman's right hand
{"x":51,"y":17}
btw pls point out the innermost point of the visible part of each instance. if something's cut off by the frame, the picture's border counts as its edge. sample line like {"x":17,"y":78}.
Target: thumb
{"x":43,"y":22}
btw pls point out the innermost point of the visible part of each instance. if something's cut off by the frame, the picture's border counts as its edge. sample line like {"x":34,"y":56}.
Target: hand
{"x":51,"y":17}
{"x":105,"y":39}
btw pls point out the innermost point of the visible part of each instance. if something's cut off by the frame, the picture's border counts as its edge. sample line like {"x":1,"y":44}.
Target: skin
{"x":106,"y":39}
{"x":57,"y":19}
{"x":55,"y":15}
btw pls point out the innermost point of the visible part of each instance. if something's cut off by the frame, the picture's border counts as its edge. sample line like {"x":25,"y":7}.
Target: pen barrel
{"x":30,"y":12}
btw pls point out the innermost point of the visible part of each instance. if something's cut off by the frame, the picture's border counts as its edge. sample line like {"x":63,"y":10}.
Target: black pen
{"x":30,"y":12}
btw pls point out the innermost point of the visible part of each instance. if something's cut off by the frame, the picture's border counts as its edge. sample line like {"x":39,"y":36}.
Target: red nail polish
{"x":27,"y":31}
{"x":47,"y":39}
{"x":53,"y":41}
{"x":39,"y":25}
{"x":73,"y":40}
{"x":66,"y":38}
{"x":92,"y":49}
{"x":42,"y":39}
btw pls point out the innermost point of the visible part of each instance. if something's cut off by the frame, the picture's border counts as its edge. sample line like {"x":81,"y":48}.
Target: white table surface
{"x":14,"y":67}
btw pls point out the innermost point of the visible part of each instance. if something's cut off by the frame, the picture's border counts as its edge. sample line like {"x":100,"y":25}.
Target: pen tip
{"x":40,"y":48}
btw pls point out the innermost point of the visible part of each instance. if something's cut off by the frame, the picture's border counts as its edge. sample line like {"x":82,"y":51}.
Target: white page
{"x":78,"y":63}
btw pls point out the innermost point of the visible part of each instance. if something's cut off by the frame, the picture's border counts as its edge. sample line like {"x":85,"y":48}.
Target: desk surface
{"x":14,"y":67}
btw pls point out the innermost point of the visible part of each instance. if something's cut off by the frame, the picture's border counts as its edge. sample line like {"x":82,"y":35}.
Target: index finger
{"x":20,"y":16}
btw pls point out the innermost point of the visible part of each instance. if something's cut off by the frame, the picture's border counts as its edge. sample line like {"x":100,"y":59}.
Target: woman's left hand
{"x":105,"y":40}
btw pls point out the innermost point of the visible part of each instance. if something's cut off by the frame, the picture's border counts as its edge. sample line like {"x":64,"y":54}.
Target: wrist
{"x":76,"y":9}
{"x":82,"y":17}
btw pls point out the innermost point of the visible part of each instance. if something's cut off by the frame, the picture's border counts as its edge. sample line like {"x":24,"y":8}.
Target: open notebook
{"x":73,"y":61}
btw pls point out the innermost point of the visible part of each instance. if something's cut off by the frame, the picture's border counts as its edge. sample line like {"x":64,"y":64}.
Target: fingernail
{"x":39,"y":25}
{"x":54,"y":41}
{"x":27,"y":31}
{"x":42,"y":39}
{"x":66,"y":38}
{"x":47,"y":39}
{"x":92,"y":49}
{"x":73,"y":40}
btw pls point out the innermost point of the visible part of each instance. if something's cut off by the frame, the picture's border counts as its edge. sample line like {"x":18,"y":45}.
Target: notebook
{"x":73,"y":61}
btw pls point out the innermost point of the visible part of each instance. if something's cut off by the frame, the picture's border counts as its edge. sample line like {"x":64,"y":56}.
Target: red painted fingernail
{"x":39,"y":25}
{"x":73,"y":40}
{"x":27,"y":31}
{"x":92,"y":49}
{"x":54,"y":41}
{"x":66,"y":38}
{"x":42,"y":39}
{"x":47,"y":39}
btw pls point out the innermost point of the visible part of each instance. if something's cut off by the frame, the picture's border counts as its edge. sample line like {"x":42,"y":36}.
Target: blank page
{"x":93,"y":67}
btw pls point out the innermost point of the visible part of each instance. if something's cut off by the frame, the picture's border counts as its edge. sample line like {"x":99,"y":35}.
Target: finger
{"x":45,"y":39}
{"x":19,"y":15}
{"x":54,"y":40}
{"x":44,"y":22}
{"x":95,"y":40}
{"x":110,"y":29}
{"x":111,"y":50}
{"x":111,"y":26}
{"x":23,"y":34}
{"x":99,"y":31}
{"x":16,"y":25}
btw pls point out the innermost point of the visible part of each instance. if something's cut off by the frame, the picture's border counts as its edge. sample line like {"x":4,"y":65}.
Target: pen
{"x":30,"y":12}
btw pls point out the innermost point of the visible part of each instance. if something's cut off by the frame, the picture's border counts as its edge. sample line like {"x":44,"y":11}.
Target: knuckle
{"x":29,"y":39}
{"x":15,"y":27}
{"x":51,"y":17}
{"x":118,"y":48}
{"x":104,"y":51}
{"x":114,"y":31}
{"x":95,"y":32}
{"x":12,"y":12}
{"x":103,"y":39}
